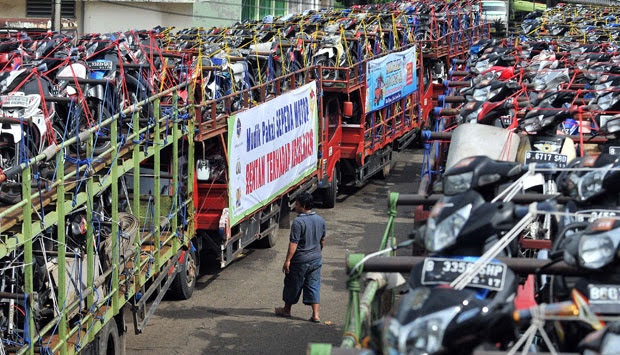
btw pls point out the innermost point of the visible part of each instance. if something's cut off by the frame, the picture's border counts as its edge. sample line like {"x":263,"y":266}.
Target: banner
{"x":271,"y":147}
{"x":390,"y":78}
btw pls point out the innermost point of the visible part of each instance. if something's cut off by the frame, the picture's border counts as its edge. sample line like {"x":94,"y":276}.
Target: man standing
{"x":302,"y":267}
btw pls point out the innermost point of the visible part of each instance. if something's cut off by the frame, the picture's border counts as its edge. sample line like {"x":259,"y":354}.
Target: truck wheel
{"x":268,"y":241}
{"x":109,"y":341}
{"x":385,"y":172}
{"x":329,"y":197}
{"x":184,"y":282}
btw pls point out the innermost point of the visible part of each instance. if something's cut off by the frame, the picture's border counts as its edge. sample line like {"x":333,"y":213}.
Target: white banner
{"x":271,"y":147}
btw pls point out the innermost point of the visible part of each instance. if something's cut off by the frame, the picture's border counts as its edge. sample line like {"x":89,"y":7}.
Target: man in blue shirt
{"x":302,"y":266}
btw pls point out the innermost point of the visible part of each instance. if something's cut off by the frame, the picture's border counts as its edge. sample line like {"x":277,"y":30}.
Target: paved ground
{"x":231,"y":310}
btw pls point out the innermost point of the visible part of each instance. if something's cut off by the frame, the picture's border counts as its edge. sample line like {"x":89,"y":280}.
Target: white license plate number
{"x":604,"y":298}
{"x":443,"y":271}
{"x":105,"y":65}
{"x":14,"y":101}
{"x":614,"y":150}
{"x":560,"y":160}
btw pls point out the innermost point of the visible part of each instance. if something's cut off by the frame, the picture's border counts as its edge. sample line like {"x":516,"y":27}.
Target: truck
{"x":501,"y":13}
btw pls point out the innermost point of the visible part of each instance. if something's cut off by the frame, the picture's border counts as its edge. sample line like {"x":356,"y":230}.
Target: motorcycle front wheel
{"x":328,"y":76}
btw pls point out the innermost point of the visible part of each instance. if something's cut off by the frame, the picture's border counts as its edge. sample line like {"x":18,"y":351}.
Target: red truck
{"x":248,"y":161}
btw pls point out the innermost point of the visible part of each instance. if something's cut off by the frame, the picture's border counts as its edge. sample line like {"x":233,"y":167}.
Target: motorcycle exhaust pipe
{"x":451,"y":99}
{"x":90,"y":81}
{"x":63,"y":99}
{"x":457,"y":84}
{"x":446,"y":111}
{"x":429,"y":200}
{"x":459,"y":61}
{"x":459,"y":73}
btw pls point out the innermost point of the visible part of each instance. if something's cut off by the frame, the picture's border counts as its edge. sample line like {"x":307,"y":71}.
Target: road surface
{"x":231,"y":310}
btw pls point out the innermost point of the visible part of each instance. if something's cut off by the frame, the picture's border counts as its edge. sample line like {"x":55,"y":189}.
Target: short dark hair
{"x":305,"y":200}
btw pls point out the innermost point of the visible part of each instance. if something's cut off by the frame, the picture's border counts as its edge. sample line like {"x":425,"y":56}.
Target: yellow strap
{"x":346,"y":47}
{"x":284,"y":71}
{"x":260,"y":75}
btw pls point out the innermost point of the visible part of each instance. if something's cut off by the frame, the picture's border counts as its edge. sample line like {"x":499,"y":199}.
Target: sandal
{"x":281,"y":313}
{"x":315,"y":320}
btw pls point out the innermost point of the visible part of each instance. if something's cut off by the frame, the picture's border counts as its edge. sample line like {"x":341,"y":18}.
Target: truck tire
{"x":184,"y":281}
{"x":385,"y":172}
{"x":109,"y":341}
{"x":268,"y":241}
{"x":329,"y":196}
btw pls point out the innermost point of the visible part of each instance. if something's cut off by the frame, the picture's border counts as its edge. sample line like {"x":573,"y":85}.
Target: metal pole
{"x":370,"y":291}
{"x":56,"y":24}
{"x":28,"y":269}
{"x":90,"y":245}
{"x":136,"y":192}
{"x":115,"y":227}
{"x":157,"y":186}
{"x":175,"y":170}
{"x":62,"y":249}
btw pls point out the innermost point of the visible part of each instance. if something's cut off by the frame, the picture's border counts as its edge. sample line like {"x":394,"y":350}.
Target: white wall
{"x":13,"y":8}
{"x":121,"y":16}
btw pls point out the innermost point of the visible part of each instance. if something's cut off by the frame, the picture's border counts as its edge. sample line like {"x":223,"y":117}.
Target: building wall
{"x":13,"y":8}
{"x":125,"y":15}
{"x":218,"y":13}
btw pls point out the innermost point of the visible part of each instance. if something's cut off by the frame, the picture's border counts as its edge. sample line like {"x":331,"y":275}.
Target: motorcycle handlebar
{"x":544,"y":206}
{"x":566,"y":308}
{"x":12,"y":171}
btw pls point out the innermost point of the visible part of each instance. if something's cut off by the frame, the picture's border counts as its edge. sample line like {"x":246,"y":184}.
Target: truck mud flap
{"x":140,"y":314}
{"x":404,"y":141}
{"x":373,"y":165}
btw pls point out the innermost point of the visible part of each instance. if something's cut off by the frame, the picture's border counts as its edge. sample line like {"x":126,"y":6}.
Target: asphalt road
{"x":231,"y":310}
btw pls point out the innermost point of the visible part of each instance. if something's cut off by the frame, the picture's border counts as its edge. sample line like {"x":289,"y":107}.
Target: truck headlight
{"x":437,"y":237}
{"x":455,"y":184}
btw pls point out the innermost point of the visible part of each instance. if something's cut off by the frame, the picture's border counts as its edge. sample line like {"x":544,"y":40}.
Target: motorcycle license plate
{"x":604,"y":298}
{"x":443,"y":271}
{"x":13,"y":101}
{"x":560,"y":160}
{"x":104,"y":65}
{"x":614,"y":150}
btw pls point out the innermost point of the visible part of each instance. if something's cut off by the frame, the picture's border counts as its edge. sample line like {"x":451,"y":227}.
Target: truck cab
{"x":496,"y":14}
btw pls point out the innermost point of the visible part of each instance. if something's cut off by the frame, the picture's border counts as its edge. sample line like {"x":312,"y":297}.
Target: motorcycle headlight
{"x":493,"y":93}
{"x":482,"y":65}
{"x":482,"y":94}
{"x":602,"y":87}
{"x":455,"y":184}
{"x":472,"y":116}
{"x":439,"y":236}
{"x":591,"y":183}
{"x":611,"y":343}
{"x":425,"y":334}
{"x":595,"y":251}
{"x":605,"y":101}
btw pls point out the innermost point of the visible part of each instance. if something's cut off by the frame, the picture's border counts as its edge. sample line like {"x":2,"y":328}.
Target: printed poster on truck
{"x":390,"y":78}
{"x":271,"y":147}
